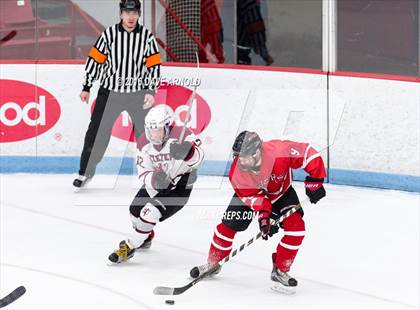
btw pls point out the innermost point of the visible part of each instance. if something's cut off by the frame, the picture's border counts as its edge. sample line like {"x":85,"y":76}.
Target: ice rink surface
{"x":361,"y":249}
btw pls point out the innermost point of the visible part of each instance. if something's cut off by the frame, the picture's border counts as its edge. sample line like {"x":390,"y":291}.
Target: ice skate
{"x":124,"y":253}
{"x":81,"y":181}
{"x":283,"y":282}
{"x":200,"y":270}
{"x":148,"y":242}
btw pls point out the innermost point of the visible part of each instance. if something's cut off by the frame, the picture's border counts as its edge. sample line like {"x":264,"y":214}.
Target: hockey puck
{"x":170,"y":302}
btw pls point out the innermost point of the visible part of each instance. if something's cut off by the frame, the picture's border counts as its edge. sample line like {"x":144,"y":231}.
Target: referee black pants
{"x":108,"y":107}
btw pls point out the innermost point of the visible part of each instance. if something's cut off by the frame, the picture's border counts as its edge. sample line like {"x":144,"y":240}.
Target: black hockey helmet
{"x":130,"y":5}
{"x":247,"y":143}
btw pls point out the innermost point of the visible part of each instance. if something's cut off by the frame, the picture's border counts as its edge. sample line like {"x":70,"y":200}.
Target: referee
{"x":126,"y":60}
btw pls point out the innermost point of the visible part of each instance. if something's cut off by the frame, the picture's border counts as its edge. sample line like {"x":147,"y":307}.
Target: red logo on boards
{"x":176,"y":97}
{"x":26,"y":111}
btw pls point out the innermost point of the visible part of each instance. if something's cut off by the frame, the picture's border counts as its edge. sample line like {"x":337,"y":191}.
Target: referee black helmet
{"x":130,"y":5}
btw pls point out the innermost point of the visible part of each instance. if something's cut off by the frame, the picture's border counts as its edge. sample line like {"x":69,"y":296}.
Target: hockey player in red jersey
{"x":166,"y":171}
{"x":261,"y":175}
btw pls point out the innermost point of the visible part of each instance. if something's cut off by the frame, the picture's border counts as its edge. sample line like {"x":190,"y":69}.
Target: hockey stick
{"x":18,"y":292}
{"x":163,"y":290}
{"x":190,"y":103}
{"x":187,"y":117}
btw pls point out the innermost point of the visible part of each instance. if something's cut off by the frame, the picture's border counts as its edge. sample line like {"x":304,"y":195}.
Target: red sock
{"x":221,"y":244}
{"x":294,"y":232}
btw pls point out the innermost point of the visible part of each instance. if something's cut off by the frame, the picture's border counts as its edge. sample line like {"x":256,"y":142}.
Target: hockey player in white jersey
{"x":166,"y":171}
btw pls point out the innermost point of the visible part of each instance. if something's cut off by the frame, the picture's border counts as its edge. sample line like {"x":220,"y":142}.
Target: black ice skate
{"x":124,"y":253}
{"x":200,"y":270}
{"x":82,"y":181}
{"x":283,"y":282}
{"x":148,"y":242}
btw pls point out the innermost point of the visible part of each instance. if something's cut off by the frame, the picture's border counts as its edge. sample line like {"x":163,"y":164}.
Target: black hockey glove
{"x":267,"y":230}
{"x":160,"y":180}
{"x":314,"y":189}
{"x":181,"y":151}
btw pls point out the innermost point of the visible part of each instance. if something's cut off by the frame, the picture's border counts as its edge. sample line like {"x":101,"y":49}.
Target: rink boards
{"x":370,"y":125}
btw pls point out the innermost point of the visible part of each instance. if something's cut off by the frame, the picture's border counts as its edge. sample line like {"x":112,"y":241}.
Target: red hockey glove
{"x":267,"y":230}
{"x":314,"y":189}
{"x":181,"y":151}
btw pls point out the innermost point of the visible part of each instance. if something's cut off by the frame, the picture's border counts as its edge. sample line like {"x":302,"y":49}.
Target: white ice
{"x":361,"y":249}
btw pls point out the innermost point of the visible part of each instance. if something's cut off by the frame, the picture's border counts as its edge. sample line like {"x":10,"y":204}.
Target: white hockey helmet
{"x":160,"y":116}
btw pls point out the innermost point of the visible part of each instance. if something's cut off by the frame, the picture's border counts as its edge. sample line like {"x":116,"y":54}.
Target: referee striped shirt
{"x":124,"y":61}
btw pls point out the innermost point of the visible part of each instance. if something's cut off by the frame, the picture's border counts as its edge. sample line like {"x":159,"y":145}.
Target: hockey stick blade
{"x":163,"y":290}
{"x":18,"y":292}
